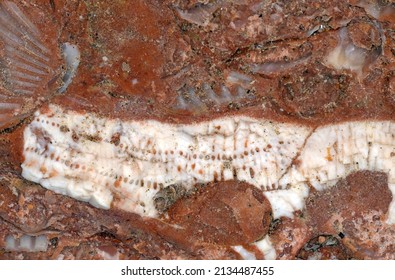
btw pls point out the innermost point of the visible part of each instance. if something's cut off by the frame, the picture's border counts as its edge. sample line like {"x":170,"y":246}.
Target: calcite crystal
{"x":197,"y":129}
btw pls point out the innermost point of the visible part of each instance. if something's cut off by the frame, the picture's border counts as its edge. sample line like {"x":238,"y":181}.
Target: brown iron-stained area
{"x":145,"y":59}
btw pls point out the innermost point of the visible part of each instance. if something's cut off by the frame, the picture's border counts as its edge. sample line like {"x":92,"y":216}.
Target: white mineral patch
{"x":285,"y":202}
{"x":266,"y":247}
{"x":346,"y":55}
{"x":244,"y":253}
{"x":96,"y":159}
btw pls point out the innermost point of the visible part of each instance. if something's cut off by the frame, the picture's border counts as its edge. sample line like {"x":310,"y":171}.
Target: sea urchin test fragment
{"x":125,"y":164}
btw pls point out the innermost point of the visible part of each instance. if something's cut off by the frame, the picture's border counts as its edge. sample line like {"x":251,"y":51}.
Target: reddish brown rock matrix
{"x":188,"y":61}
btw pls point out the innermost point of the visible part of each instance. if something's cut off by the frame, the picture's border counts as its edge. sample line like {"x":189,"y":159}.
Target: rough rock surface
{"x":185,"y":61}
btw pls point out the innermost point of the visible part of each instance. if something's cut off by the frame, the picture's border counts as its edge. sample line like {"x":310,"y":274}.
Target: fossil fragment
{"x":72,"y":58}
{"x":27,"y":243}
{"x":280,"y":159}
{"x":201,"y":13}
{"x":29,"y":67}
{"x":237,"y":88}
{"x":378,"y":9}
{"x":350,"y":54}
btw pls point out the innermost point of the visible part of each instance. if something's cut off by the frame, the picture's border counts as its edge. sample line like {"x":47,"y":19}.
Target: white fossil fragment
{"x":272,"y":67}
{"x":27,"y":243}
{"x":124,"y":164}
{"x":244,"y":253}
{"x":72,"y":57}
{"x":346,"y":55}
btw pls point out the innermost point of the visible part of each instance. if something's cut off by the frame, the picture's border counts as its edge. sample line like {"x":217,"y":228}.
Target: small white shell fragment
{"x":281,"y":159}
{"x":346,"y":55}
{"x":26,"y":243}
{"x":72,"y":57}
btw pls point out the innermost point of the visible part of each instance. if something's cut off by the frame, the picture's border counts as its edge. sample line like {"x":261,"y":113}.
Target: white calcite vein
{"x":124,"y":164}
